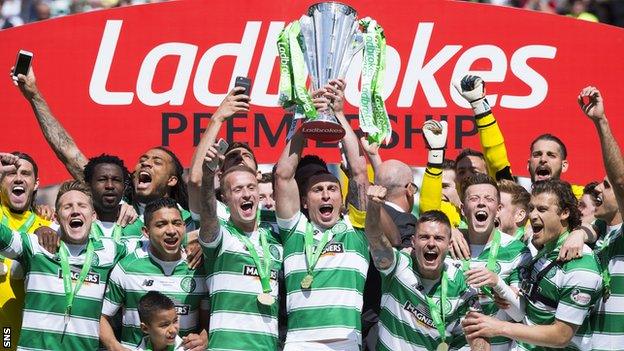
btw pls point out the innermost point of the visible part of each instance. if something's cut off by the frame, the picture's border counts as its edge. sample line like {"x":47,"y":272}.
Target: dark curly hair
{"x":565,"y":199}
{"x":89,"y":171}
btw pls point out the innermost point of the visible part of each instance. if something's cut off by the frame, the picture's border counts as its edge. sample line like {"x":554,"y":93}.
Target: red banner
{"x":124,"y":80}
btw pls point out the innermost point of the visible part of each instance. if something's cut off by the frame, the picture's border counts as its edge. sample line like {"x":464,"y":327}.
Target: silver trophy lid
{"x":332,"y":6}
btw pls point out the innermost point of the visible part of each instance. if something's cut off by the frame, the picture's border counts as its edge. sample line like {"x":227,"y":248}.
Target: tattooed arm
{"x":358,"y":174}
{"x":380,"y":246}
{"x":57,"y":137}
{"x":209,"y":229}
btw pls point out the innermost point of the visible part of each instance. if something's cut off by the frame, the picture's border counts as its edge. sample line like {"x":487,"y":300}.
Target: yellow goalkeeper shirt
{"x":12,"y":290}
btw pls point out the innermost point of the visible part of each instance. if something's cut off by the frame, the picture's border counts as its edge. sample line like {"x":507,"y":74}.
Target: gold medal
{"x":4,"y":269}
{"x":266,"y":299}
{"x":306,"y":282}
{"x":442,"y":347}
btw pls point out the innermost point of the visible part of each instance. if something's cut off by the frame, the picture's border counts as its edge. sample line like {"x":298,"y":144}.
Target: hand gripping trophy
{"x":327,"y":39}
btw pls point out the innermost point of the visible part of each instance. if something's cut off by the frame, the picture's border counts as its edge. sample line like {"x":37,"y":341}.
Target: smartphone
{"x":245,"y":83}
{"x":221,"y":148}
{"x":22,"y":64}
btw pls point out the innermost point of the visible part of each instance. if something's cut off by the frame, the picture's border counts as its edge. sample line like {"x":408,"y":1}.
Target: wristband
{"x":588,"y":233}
{"x":480,"y":107}
{"x":435,"y":157}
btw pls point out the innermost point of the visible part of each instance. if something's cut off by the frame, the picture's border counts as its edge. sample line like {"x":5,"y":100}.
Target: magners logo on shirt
{"x":421,"y":313}
{"x":333,"y":248}
{"x":91,"y":278}
{"x":182,"y":310}
{"x":252,"y":271}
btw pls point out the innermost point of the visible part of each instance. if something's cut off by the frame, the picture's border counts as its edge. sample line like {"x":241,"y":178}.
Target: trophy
{"x":326,"y":39}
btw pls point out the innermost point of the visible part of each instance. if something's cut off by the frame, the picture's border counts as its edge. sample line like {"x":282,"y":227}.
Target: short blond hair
{"x":72,"y":185}
{"x":519,"y":195}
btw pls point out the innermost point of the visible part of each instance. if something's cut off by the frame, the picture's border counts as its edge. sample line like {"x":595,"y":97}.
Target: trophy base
{"x":322,"y":130}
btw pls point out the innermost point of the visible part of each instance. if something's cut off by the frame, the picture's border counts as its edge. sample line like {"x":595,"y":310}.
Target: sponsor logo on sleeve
{"x":580,"y":298}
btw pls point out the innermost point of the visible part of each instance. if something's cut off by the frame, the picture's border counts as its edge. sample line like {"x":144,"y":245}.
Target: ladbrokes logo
{"x":321,"y":130}
{"x":418,"y":72}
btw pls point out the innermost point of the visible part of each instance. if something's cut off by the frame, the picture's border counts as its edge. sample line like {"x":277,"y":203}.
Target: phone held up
{"x":22,"y":64}
{"x":222,"y":146}
{"x":245,"y":83}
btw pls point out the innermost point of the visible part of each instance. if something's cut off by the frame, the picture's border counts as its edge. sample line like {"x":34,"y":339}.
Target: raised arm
{"x":431,"y":190}
{"x":358,"y":180}
{"x":611,"y":153}
{"x":380,"y":246}
{"x":234,"y":103}
{"x":57,"y":137}
{"x":592,"y":105}
{"x":472,"y":88}
{"x":286,"y":192}
{"x":209,"y":229}
{"x":372,"y":150}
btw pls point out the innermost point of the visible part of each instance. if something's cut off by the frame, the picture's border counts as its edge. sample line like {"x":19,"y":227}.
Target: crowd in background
{"x":18,"y":12}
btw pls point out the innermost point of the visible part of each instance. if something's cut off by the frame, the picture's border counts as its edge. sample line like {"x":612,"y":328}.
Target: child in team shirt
{"x":159,"y":321}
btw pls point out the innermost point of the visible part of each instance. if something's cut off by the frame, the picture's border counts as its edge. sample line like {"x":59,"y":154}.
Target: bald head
{"x":394,"y":175}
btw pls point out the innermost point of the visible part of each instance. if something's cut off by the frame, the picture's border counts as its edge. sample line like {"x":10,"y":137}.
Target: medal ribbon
{"x":67,"y":281}
{"x":491,"y":260}
{"x":98,"y":233}
{"x":313,"y":254}
{"x":604,"y":262}
{"x":262,"y":266}
{"x":437,"y":315}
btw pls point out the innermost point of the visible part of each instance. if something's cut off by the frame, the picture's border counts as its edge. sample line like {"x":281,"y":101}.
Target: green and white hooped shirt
{"x":330,"y":308}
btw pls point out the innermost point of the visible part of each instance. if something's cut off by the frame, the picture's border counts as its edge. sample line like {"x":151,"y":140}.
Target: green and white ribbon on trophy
{"x":373,"y":116}
{"x":292,"y":88}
